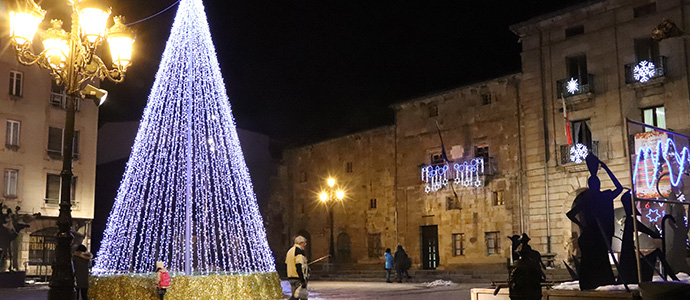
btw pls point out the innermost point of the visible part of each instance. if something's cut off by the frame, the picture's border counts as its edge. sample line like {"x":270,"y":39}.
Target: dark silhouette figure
{"x":526,"y":278}
{"x":676,"y":236}
{"x":533,"y":254}
{"x":402,"y":263}
{"x":515,"y":243}
{"x":627,"y":269}
{"x":593,"y":212}
{"x":11,"y":223}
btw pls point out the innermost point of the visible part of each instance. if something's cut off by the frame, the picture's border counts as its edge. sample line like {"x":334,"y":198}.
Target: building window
{"x":492,"y":242}
{"x":57,"y":95}
{"x":53,"y":188}
{"x":75,"y":145}
{"x":452,"y":203}
{"x":577,"y":69}
{"x":12,"y":133}
{"x":644,"y":10}
{"x":54,"y":141}
{"x":372,"y":203}
{"x":646,"y":49}
{"x":42,"y":246}
{"x":11,"y":181}
{"x":483,"y":152}
{"x":573,"y":31}
{"x":581,"y":133}
{"x":433,"y":110}
{"x":348,"y":167}
{"x":374,"y":244}
{"x":498,"y":198}
{"x":436,"y":158}
{"x":654,"y":116}
{"x":486,"y":99}
{"x":16,"y":79}
{"x":458,"y":244}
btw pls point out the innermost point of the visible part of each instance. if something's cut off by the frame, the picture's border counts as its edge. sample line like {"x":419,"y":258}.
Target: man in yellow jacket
{"x":297,"y":268}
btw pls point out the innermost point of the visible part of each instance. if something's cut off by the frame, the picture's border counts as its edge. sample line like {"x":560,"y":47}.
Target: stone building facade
{"x":583,"y":59}
{"x":32,"y":113}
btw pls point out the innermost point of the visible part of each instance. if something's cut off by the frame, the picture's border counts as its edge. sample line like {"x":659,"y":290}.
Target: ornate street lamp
{"x":328,"y":198}
{"x":72,"y":61}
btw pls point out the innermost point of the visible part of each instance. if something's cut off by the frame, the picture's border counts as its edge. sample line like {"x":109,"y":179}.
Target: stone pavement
{"x":322,"y":290}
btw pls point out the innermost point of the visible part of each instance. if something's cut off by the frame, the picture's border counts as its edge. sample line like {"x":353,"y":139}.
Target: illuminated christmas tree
{"x":186,"y":197}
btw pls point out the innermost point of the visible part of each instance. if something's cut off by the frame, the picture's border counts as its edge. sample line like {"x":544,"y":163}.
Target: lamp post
{"x":72,"y":62}
{"x":328,"y":198}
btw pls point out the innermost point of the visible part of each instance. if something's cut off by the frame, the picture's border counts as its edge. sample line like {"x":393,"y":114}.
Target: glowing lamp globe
{"x":331,"y":182}
{"x":93,"y":22}
{"x":121,"y":41}
{"x":23,"y":26}
{"x":340,"y":194}
{"x":323,"y":197}
{"x":56,"y":45}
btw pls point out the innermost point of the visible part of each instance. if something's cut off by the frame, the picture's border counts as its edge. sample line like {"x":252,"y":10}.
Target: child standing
{"x":389,"y":264}
{"x":162,"y":279}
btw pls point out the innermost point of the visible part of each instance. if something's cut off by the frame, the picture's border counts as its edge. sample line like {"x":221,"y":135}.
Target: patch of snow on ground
{"x":438,"y":282}
{"x":575,"y":285}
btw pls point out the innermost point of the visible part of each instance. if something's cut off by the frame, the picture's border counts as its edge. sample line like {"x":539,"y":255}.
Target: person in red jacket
{"x":162,"y":279}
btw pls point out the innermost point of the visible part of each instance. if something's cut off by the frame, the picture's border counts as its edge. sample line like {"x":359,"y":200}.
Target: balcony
{"x":644,"y":71}
{"x":575,"y":86}
{"x":59,"y":100}
{"x":565,"y":153}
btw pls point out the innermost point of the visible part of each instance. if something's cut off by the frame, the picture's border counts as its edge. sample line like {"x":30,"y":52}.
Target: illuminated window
{"x":493,"y":244}
{"x":12,"y":133}
{"x":498,"y":198}
{"x":16,"y":79}
{"x":654,"y":116}
{"x":11,"y":181}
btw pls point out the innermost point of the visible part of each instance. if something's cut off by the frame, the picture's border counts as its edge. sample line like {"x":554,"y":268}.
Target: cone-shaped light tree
{"x":186,"y":197}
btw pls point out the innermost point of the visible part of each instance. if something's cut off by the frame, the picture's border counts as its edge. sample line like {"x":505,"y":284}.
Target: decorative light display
{"x":653,"y":215}
{"x":666,"y":151}
{"x":578,"y":153}
{"x":186,"y":197}
{"x":644,"y":71}
{"x":467,"y":174}
{"x":572,"y":86}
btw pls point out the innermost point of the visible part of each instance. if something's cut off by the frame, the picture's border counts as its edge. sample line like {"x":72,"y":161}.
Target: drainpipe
{"x":547,"y":154}
{"x":520,"y":166}
{"x":395,"y":180}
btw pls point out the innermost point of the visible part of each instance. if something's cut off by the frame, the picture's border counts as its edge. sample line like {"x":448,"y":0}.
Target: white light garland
{"x":186,"y":149}
{"x":467,"y":174}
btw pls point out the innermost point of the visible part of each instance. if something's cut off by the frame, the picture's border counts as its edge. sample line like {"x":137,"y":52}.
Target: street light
{"x":328,"y":198}
{"x":72,"y":61}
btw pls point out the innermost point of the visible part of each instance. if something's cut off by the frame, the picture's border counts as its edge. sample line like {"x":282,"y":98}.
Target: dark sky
{"x":302,"y":70}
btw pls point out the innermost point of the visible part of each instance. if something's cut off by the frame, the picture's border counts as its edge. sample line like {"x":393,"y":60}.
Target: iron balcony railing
{"x":565,"y":151}
{"x":645,"y":70}
{"x":575,"y":86}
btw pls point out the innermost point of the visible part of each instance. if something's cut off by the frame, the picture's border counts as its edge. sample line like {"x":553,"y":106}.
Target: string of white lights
{"x":187,"y":122}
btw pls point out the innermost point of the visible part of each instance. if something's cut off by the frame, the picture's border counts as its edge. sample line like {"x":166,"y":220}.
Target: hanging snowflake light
{"x":572,"y":86}
{"x":578,"y":153}
{"x":655,"y":217}
{"x":644,"y":71}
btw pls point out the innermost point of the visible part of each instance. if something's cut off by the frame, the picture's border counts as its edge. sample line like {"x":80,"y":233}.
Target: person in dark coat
{"x":525,"y":279}
{"x":82,"y":263}
{"x":402,"y":263}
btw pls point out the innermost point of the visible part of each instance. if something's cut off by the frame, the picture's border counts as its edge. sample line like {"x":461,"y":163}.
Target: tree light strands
{"x":667,"y":152}
{"x":186,"y":197}
{"x":468,"y":174}
{"x":644,"y":71}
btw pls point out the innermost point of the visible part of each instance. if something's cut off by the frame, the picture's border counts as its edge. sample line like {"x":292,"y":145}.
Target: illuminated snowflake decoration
{"x":578,"y":153}
{"x":655,"y":217}
{"x":644,"y":71}
{"x":572,"y":86}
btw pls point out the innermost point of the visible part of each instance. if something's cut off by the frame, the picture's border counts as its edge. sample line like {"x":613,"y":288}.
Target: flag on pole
{"x":566,"y":120}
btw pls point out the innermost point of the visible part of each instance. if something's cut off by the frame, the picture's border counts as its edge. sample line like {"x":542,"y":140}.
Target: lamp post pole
{"x":328,"y":198}
{"x":72,"y":61}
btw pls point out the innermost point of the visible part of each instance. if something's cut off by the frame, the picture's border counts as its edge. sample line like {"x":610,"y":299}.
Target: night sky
{"x":303,"y":71}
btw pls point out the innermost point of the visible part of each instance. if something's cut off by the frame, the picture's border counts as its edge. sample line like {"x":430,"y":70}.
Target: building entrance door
{"x":429,"y":246}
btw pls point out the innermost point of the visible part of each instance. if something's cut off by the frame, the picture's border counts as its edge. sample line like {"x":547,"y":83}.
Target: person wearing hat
{"x":297,"y":267}
{"x":162,"y":279}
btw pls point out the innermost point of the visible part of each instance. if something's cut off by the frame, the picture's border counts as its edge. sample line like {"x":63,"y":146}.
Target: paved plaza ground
{"x":323,"y":290}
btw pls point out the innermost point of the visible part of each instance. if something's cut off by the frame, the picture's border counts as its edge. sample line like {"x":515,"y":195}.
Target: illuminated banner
{"x":658,"y":165}
{"x":468,"y":173}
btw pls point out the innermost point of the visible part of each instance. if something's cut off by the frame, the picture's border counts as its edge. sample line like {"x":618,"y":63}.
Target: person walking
{"x":297,"y":267}
{"x":162,"y":280}
{"x":402,"y":263}
{"x":389,"y":264}
{"x":82,"y":263}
